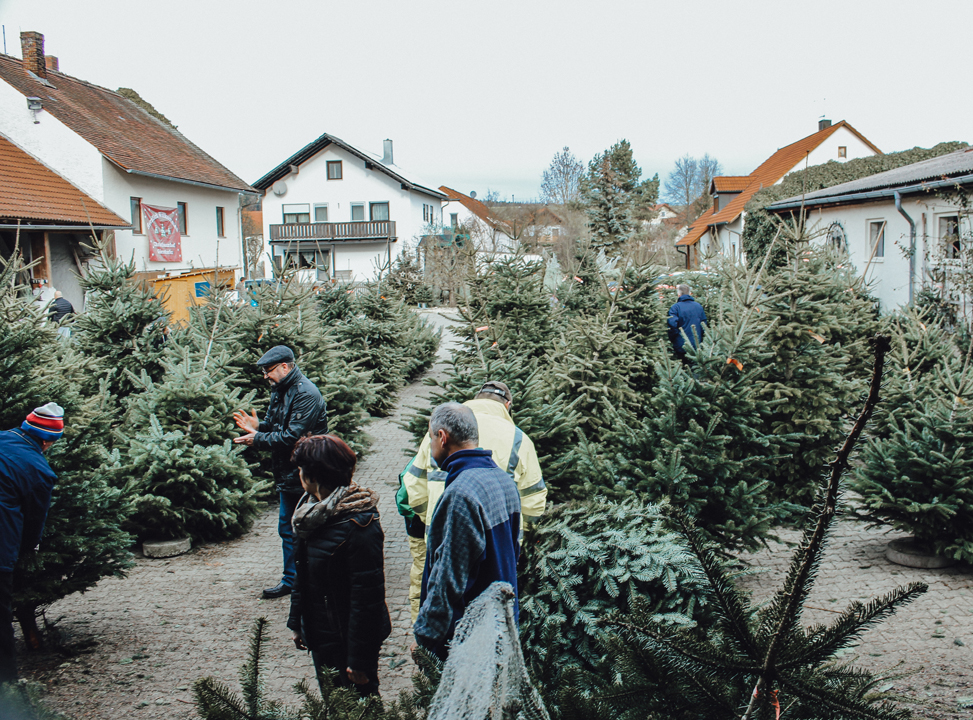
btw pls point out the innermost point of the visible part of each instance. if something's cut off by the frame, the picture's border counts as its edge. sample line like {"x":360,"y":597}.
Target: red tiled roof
{"x":730,"y":183}
{"x":122,"y":131}
{"x":773,"y":169}
{"x":31,"y":191}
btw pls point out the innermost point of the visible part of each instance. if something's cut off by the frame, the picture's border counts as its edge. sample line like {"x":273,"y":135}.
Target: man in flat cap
{"x":296,"y":409}
{"x":26,"y":482}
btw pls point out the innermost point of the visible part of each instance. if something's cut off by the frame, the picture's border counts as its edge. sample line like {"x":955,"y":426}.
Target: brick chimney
{"x":51,"y":62}
{"x":32,"y":51}
{"x":823,"y":124}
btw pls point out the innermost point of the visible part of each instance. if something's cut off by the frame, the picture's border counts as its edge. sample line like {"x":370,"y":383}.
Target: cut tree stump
{"x":910,"y":552}
{"x":166,"y":548}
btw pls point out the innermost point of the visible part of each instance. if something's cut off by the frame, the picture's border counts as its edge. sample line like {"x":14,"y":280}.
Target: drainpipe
{"x":912,"y":244}
{"x":684,"y":254}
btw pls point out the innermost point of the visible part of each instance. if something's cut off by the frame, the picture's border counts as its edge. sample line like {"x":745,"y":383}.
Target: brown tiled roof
{"x":773,"y":169}
{"x":31,"y":191}
{"x":122,"y":131}
{"x":471,"y":204}
{"x":730,"y":183}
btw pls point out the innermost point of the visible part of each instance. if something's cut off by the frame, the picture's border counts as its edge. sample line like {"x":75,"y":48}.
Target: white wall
{"x":311,"y":186}
{"x":200,"y":245}
{"x":51,"y":142}
{"x":889,"y":276}
{"x":828,"y":150}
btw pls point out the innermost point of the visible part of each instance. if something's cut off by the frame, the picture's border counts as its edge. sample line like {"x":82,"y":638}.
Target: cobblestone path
{"x":173,"y":621}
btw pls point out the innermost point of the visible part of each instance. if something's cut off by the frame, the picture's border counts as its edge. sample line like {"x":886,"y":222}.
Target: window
{"x":219,"y":222}
{"x":137,"y":215}
{"x":836,"y":237}
{"x":842,"y":151}
{"x":425,"y":213}
{"x":183,"y":218}
{"x":876,"y":237}
{"x":297,"y":214}
{"x":949,"y":234}
{"x":320,"y":213}
{"x":334,"y":169}
{"x":320,"y":262}
{"x":454,"y":219}
{"x":716,"y":204}
{"x":378,"y":211}
{"x":357,"y":211}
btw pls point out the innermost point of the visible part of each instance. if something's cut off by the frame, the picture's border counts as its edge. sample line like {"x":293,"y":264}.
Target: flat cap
{"x":276,"y":354}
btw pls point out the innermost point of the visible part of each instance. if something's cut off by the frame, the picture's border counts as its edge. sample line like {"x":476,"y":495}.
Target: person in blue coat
{"x":26,"y":482}
{"x":685,"y":316}
{"x":474,"y":532}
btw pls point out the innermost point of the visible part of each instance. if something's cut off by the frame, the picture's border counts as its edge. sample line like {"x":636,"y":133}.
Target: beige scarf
{"x":309,"y":516}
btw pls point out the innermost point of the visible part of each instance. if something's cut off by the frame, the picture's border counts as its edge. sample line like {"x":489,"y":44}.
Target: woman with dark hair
{"x":338,"y":609}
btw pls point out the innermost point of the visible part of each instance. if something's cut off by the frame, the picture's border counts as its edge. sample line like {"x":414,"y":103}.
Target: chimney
{"x":823,"y":124}
{"x":51,"y":62}
{"x":387,"y":153}
{"x":32,"y":51}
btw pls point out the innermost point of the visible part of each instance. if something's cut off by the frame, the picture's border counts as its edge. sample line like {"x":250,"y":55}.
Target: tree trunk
{"x":27,"y":617}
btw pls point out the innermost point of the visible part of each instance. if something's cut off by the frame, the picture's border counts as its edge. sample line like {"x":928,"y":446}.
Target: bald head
{"x":57,"y":294}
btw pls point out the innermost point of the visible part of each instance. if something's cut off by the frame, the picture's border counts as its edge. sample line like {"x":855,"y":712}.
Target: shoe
{"x":279,"y":590}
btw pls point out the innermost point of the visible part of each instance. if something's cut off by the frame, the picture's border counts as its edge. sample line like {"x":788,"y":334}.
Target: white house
{"x":340,"y":213}
{"x":125,"y":156}
{"x":719,"y":230}
{"x":901,"y":228}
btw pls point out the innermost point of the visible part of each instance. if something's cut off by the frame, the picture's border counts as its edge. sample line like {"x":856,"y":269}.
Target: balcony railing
{"x":373,"y":230}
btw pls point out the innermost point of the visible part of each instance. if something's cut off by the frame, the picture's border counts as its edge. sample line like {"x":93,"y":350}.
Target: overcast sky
{"x":481,"y":96}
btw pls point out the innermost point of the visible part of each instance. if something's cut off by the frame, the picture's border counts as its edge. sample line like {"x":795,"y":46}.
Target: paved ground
{"x":173,"y":621}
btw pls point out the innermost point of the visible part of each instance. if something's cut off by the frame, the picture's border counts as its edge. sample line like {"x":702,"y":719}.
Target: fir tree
{"x":610,"y":194}
{"x":764,"y":659}
{"x":124,"y":326}
{"x":82,"y":539}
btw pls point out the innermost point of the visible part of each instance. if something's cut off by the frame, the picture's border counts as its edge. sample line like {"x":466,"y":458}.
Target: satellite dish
{"x":279,"y":188}
{"x":473,"y":194}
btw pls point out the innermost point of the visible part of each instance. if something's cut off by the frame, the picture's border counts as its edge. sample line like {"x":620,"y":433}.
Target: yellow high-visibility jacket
{"x":512,"y":450}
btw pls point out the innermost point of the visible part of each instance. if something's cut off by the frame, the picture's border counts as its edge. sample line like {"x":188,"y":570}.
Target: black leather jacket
{"x":339,"y":602}
{"x":296,"y":409}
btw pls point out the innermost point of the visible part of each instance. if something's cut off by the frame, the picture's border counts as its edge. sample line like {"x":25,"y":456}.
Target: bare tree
{"x":562,"y":178}
{"x":689,"y":182}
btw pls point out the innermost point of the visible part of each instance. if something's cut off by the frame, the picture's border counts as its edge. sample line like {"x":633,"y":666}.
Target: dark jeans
{"x":8,"y":650}
{"x":325,"y":661}
{"x":288,"y":501}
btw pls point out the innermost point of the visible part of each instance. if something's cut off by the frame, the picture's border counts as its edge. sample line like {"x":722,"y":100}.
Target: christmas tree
{"x":124,"y":325}
{"x":82,"y":541}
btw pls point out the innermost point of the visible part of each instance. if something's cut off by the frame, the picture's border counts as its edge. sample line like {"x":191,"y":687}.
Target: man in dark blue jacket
{"x":26,"y":481}
{"x":474,"y":532}
{"x":686,"y":315}
{"x":296,"y":408}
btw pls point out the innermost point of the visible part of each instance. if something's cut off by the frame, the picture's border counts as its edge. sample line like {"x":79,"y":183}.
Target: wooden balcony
{"x":373,"y":231}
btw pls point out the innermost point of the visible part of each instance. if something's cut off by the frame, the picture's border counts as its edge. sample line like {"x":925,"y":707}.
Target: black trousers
{"x":332,"y":657}
{"x":8,"y":650}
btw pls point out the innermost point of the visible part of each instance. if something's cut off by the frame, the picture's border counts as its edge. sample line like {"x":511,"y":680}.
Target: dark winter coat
{"x":26,"y":481}
{"x":296,"y":409}
{"x":686,"y":314}
{"x":339,"y":605}
{"x":60,"y":309}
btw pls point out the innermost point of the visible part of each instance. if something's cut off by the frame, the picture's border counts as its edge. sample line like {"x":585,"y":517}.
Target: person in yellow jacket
{"x":422,"y":483}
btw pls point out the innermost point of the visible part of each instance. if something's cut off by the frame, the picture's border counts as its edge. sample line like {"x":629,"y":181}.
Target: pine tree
{"x":124,"y":326}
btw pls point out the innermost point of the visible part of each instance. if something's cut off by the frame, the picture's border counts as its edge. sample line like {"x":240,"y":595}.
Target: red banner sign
{"x":162,"y":228}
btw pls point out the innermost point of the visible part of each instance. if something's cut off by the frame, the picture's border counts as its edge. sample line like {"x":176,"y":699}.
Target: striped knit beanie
{"x":46,"y":422}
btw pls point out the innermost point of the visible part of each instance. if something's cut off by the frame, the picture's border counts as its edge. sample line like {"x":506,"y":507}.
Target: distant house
{"x":897,"y":226}
{"x":124,"y":160}
{"x":718,"y":231}
{"x":336,"y":212}
{"x":502,"y":227}
{"x":662,"y":213}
